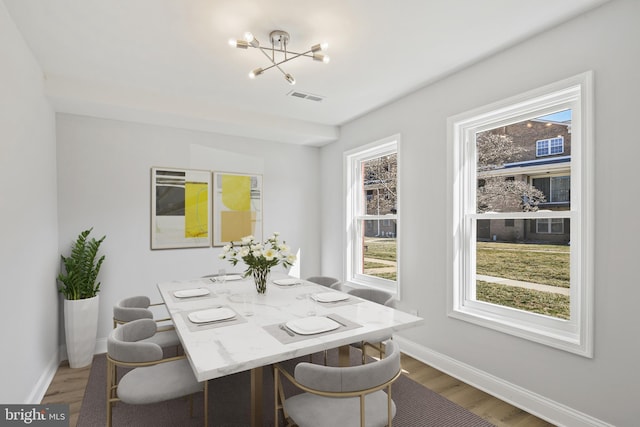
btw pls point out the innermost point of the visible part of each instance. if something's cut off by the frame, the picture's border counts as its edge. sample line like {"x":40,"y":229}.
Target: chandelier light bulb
{"x":321,"y":57}
{"x":250,"y":38}
{"x":318,"y":47}
{"x":240,"y":44}
{"x":290,"y":79}
{"x":256,"y":72}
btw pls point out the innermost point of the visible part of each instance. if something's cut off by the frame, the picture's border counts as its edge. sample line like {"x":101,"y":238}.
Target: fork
{"x":287,"y":330}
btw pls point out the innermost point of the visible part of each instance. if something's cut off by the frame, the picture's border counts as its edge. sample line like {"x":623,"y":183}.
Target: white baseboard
{"x":40,"y":389}
{"x":540,"y":406}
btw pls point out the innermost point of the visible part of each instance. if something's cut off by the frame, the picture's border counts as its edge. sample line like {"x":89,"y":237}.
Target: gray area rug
{"x":229,"y":399}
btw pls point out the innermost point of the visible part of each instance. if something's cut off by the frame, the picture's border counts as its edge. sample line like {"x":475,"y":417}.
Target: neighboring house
{"x":545,"y":163}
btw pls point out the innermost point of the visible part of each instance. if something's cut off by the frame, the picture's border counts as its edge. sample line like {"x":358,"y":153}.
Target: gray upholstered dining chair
{"x":377,"y":296}
{"x":137,"y":307}
{"x":370,"y":294}
{"x":340,"y":396}
{"x":327,"y":281}
{"x":153,"y":378}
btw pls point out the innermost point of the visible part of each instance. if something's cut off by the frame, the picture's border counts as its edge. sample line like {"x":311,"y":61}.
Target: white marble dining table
{"x":253,"y":338}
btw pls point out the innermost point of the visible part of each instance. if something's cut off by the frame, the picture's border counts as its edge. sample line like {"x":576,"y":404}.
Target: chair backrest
{"x":393,"y":303}
{"x":338,"y":286}
{"x":351,"y":378}
{"x":124,"y":343}
{"x":375,"y":295}
{"x":132,"y":308}
{"x":323,"y":280}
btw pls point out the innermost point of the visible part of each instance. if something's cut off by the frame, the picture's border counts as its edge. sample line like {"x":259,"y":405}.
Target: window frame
{"x":549,"y":146}
{"x":576,"y":334}
{"x":551,"y":200}
{"x":355,"y":217}
{"x":549,"y":225}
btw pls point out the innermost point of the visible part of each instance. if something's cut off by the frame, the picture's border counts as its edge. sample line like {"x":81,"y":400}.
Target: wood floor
{"x":68,"y":387}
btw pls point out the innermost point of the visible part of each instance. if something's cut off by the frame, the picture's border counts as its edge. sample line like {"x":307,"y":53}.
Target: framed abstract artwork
{"x":237,"y":207}
{"x":180,"y":208}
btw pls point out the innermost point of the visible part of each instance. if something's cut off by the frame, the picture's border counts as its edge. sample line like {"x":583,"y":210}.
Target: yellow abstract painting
{"x":196,"y":209}
{"x":237,"y":207}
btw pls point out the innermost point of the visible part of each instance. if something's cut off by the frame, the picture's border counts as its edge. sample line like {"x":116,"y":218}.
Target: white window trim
{"x":353,"y":253}
{"x":574,"y":335}
{"x":548,"y":146}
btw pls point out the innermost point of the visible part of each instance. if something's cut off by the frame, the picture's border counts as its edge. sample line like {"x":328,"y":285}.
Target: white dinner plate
{"x":190,"y":293}
{"x":312,"y":325}
{"x":212,"y":315}
{"x":330,"y":297}
{"x":287,"y":282}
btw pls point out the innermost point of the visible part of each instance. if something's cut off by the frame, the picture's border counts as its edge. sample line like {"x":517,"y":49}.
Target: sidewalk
{"x":521,"y":284}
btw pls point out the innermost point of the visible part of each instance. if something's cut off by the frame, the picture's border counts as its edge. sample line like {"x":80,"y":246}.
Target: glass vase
{"x":260,"y":276}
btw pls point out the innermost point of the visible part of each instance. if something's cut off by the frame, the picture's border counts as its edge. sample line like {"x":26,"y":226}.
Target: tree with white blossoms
{"x":259,"y":257}
{"x":495,"y":193}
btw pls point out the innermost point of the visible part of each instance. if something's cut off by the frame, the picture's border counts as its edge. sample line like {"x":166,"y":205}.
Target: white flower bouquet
{"x":259,"y":257}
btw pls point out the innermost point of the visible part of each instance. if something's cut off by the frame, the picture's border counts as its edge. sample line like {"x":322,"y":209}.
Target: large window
{"x":521,"y":245}
{"x":372,"y":215}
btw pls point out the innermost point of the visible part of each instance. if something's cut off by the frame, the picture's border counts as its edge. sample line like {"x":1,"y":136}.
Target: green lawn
{"x":543,"y":264}
{"x":547,"y":303}
{"x":383,"y":249}
{"x":379,"y":248}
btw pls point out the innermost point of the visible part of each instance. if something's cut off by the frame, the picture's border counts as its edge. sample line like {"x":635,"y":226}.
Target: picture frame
{"x":180,"y":208}
{"x":237,"y":207}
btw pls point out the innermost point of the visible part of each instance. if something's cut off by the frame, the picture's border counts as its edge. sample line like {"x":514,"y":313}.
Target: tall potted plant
{"x":79,"y":285}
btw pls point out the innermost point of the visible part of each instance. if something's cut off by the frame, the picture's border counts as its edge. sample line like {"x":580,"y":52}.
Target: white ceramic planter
{"x":81,"y":327}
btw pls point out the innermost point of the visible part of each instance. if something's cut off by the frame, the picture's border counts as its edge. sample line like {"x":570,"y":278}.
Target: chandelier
{"x":278,"y":53}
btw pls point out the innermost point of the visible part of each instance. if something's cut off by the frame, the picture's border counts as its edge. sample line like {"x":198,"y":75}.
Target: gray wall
{"x":606,"y":41}
{"x":28,"y":222}
{"x":104,"y":182}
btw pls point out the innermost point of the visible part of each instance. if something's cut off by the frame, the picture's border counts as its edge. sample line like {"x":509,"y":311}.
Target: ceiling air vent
{"x":308,"y":96}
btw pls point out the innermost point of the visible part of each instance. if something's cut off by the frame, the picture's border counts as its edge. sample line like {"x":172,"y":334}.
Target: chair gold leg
{"x":390,"y":418}
{"x":279,"y":398}
{"x":110,"y":392}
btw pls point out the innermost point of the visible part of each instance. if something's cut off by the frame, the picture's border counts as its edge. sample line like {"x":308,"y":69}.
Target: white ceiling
{"x":169,"y":62}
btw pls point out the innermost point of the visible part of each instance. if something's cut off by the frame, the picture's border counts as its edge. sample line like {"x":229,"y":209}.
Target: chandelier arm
{"x":273,"y":49}
{"x":294,"y":57}
{"x":277,"y":65}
